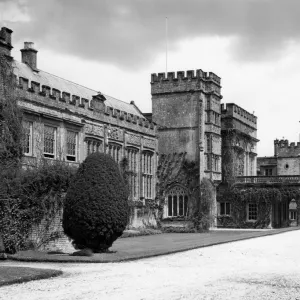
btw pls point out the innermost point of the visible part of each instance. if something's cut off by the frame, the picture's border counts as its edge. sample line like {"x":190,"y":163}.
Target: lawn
{"x":11,"y":275}
{"x":148,"y":246}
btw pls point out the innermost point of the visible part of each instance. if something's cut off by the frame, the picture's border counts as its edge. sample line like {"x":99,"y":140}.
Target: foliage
{"x":176,"y":169}
{"x":26,"y":198}
{"x":11,"y":130}
{"x":96,"y":205}
{"x":234,"y":144}
{"x":202,"y":216}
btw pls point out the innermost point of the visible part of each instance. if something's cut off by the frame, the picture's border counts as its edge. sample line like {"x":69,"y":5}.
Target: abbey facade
{"x":66,"y":121}
{"x":169,"y":151}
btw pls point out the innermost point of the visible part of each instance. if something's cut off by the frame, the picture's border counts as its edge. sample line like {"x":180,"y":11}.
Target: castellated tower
{"x":186,"y":108}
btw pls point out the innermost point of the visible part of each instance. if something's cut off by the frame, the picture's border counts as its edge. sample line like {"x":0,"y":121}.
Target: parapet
{"x":284,"y":148}
{"x":285,"y":144}
{"x":190,"y":74}
{"x":182,"y":81}
{"x":69,"y":100}
{"x":235,"y":111}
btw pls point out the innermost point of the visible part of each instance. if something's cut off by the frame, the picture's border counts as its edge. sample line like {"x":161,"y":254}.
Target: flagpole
{"x":166,"y":45}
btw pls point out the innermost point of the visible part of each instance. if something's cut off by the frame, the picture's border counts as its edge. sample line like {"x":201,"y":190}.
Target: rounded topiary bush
{"x":96,"y":205}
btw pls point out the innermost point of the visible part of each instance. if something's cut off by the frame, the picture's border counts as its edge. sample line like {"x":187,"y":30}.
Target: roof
{"x":63,"y":85}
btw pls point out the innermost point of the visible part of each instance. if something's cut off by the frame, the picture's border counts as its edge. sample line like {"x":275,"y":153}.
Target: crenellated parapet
{"x":285,"y":149}
{"x":182,"y":81}
{"x":83,"y":105}
{"x":232,"y":110}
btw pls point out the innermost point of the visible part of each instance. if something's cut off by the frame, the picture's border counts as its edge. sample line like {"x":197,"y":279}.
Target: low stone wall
{"x":49,"y":234}
{"x":142,"y":217}
{"x":176,"y":223}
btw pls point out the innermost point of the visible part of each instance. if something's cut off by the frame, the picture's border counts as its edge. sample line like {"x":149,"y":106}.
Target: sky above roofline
{"x":114,"y":46}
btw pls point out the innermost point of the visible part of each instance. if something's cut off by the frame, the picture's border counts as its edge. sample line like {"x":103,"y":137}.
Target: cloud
{"x":131,"y":33}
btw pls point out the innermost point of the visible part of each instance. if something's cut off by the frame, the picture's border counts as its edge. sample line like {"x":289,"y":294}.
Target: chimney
{"x":29,"y":55}
{"x":5,"y":41}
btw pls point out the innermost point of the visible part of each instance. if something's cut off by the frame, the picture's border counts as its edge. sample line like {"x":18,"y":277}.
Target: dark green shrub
{"x":96,"y":205}
{"x":26,"y":198}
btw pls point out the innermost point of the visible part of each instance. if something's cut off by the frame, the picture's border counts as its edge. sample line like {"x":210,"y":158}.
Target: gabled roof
{"x":63,"y":85}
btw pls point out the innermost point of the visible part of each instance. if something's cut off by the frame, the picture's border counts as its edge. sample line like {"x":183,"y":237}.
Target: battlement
{"x":285,"y":144}
{"x":181,"y":81}
{"x":88,"y":104}
{"x":188,"y":75}
{"x":235,"y":111}
{"x":284,"y":148}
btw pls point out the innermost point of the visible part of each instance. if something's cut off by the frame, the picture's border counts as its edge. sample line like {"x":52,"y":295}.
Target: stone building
{"x":66,"y":121}
{"x":283,"y":168}
{"x":239,"y":140}
{"x":286,"y":160}
{"x":187,"y":111}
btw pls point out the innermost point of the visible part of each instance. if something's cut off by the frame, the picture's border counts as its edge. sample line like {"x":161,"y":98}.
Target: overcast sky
{"x":113,"y":46}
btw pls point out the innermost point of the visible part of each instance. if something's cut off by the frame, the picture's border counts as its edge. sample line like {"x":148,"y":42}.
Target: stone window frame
{"x":115,"y":151}
{"x":267,"y":170}
{"x":208,"y":143}
{"x":293,"y":215}
{"x":293,"y":210}
{"x":51,"y":142}
{"x":133,"y":155}
{"x":227,"y":208}
{"x":93,"y":145}
{"x":147,"y":161}
{"x":174,"y":196}
{"x":252,"y":212}
{"x":70,"y":155}
{"x":28,"y":139}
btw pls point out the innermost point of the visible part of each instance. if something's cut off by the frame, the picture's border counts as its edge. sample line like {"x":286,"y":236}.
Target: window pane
{"x":185,"y":205}
{"x":27,"y":137}
{"x":180,"y":205}
{"x":71,"y":143}
{"x":252,"y":211}
{"x":222,"y":208}
{"x":175,"y":206}
{"x":170,"y":207}
{"x":49,"y":140}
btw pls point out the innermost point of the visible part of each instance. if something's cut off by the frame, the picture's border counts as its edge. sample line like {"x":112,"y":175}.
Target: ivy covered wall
{"x":271,"y":203}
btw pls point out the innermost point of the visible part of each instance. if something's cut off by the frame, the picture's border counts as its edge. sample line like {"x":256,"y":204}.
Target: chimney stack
{"x":29,"y":55}
{"x":5,"y":41}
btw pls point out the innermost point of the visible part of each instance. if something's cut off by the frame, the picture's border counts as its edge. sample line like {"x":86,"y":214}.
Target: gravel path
{"x":260,"y":268}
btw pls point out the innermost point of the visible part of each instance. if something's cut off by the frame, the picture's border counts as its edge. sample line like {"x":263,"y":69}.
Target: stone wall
{"x":288,"y":166}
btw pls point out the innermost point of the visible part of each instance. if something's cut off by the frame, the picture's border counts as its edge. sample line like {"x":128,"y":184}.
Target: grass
{"x":11,"y":275}
{"x":152,"y":245}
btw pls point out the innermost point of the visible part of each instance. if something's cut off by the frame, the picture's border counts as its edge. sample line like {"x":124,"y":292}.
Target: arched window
{"x":177,"y":202}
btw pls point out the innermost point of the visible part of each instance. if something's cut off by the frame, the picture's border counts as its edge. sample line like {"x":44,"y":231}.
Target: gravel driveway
{"x":260,"y":268}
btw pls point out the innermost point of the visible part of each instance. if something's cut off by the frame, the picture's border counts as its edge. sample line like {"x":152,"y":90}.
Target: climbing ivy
{"x":175,"y":169}
{"x":11,"y":129}
{"x":263,"y":197}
